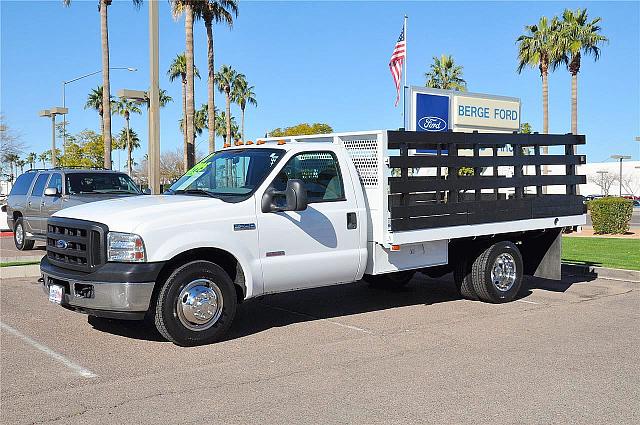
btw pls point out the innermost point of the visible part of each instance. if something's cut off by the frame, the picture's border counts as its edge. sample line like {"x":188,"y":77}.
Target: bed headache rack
{"x":441,"y":199}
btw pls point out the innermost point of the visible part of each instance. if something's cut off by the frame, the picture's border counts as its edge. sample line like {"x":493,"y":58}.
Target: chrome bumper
{"x":91,"y":295}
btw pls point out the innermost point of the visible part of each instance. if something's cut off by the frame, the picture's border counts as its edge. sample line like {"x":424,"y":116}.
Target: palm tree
{"x":201,"y":120}
{"x":242,"y":95}
{"x":94,"y":101}
{"x":226,"y":79}
{"x":43,"y":157}
{"x":106,"y":95}
{"x":125,"y":107}
{"x":178,"y":68}
{"x":31,"y":159}
{"x":445,"y":74}
{"x":578,"y":36}
{"x":215,"y":11}
{"x":164,"y":98}
{"x":221,"y":127}
{"x":11,"y":158}
{"x":539,"y":47}
{"x":128,"y":139}
{"x":20,"y":163}
{"x":191,"y":10}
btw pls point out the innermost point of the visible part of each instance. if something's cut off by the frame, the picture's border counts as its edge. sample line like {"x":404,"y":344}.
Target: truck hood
{"x":126,"y":214}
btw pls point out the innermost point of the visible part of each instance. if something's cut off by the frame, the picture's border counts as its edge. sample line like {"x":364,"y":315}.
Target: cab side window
{"x":38,"y":187}
{"x":22,"y":184}
{"x":56,"y":182}
{"x":320,"y":173}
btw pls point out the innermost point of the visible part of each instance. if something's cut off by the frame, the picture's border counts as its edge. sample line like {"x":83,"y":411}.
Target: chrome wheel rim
{"x":199,"y":305}
{"x":19,"y":234}
{"x":503,"y":272}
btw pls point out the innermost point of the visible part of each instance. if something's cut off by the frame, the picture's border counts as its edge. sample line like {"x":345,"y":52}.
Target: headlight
{"x":125,"y":247}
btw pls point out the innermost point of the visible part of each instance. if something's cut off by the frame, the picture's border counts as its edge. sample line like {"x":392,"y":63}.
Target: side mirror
{"x":51,"y":191}
{"x":295,"y":194}
{"x":147,"y":191}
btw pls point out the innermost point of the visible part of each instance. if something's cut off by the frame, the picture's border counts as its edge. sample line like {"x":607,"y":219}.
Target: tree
{"x":44,"y":158}
{"x":242,"y":95}
{"x":21,"y":163}
{"x":94,"y":101}
{"x":178,"y":68}
{"x":11,"y":159}
{"x":221,"y":128}
{"x":106,"y":95}
{"x":201,"y":121}
{"x":301,"y":130}
{"x":164,"y":98}
{"x":128,"y":139}
{"x":539,"y":47}
{"x":225,"y":79}
{"x":445,"y":74}
{"x":525,"y":128}
{"x":215,"y":11}
{"x":578,"y":36}
{"x":125,"y":107}
{"x":604,"y":180}
{"x":11,"y":145}
{"x":31,"y":159}
{"x":190,"y":9}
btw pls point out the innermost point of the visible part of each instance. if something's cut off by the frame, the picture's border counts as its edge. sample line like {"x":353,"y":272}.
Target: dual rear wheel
{"x":494,"y":275}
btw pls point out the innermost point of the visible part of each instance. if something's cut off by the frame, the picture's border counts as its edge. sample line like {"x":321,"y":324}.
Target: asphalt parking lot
{"x":565,"y":352}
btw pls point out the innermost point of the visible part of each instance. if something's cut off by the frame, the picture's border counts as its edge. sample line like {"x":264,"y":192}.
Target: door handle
{"x":352,"y":221}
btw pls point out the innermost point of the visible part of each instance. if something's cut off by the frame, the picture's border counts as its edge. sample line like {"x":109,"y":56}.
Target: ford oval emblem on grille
{"x":62,"y":244}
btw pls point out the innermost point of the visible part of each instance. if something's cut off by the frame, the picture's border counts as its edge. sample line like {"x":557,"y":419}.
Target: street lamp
{"x":137,"y":96}
{"x":621,"y":157}
{"x":64,"y":85}
{"x":52,"y":113}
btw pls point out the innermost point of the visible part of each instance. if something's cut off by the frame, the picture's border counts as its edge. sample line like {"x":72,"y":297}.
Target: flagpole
{"x":404,"y":88}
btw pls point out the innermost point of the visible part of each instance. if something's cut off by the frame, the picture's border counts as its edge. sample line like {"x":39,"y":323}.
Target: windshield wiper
{"x":195,"y":192}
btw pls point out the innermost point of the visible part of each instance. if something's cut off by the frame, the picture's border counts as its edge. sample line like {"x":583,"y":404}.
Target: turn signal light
{"x":395,"y":247}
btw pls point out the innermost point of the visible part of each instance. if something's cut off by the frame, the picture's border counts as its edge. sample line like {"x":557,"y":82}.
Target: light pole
{"x":64,"y":86}
{"x":52,"y":113}
{"x":621,"y":158}
{"x":154,"y":99}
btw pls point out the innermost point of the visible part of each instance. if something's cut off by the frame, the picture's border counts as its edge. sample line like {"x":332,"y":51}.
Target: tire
{"x":496,"y":274}
{"x":393,"y":280}
{"x":20,"y":237}
{"x":462,"y":279}
{"x":177,"y":314}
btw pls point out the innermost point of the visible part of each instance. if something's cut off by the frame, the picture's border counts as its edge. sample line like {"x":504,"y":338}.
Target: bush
{"x":610,"y":215}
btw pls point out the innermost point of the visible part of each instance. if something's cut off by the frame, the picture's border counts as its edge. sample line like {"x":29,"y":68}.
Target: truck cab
{"x":267,"y":217}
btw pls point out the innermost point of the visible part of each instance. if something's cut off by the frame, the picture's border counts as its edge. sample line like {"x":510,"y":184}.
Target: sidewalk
{"x":587,"y":232}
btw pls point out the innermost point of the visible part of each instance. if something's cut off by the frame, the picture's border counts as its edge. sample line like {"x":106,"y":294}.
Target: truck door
{"x":52,"y":204}
{"x":32,"y":215}
{"x":320,"y":245}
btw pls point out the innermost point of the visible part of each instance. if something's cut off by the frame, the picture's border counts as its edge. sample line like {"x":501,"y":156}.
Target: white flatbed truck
{"x":301,"y":212}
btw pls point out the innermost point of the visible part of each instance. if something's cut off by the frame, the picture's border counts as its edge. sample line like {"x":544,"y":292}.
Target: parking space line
{"x":355,"y":328}
{"x":85,"y":373}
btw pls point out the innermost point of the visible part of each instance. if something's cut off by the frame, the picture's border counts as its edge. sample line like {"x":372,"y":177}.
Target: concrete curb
{"x":12,"y":272}
{"x":603,"y":272}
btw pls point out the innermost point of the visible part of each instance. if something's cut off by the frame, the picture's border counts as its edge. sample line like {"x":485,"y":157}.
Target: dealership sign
{"x":435,"y":110}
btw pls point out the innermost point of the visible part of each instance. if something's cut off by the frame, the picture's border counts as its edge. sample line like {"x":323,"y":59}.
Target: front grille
{"x":76,"y":244}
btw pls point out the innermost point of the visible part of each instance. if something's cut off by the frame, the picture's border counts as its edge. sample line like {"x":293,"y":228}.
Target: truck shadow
{"x":279,"y":310}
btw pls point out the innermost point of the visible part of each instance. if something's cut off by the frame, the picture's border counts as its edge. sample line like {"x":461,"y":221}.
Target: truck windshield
{"x":231,"y":174}
{"x":96,"y":183}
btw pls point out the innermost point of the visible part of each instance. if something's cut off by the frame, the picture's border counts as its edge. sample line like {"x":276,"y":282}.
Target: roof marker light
{"x":395,"y":247}
{"x":260,"y":142}
{"x":249,"y":142}
{"x":282,"y":142}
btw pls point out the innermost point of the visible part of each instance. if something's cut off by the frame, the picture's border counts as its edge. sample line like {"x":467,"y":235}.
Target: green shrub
{"x":610,"y":215}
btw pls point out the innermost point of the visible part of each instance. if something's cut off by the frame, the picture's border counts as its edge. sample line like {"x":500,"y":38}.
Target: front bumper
{"x":116,"y":290}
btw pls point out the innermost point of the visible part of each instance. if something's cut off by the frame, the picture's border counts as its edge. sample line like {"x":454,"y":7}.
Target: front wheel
{"x":20,"y":236}
{"x":196,"y":304}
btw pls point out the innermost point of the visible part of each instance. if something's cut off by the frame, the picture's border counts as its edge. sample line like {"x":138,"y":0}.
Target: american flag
{"x":397,"y":60}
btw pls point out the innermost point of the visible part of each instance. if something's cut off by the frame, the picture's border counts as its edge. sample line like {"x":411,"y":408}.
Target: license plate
{"x":55,"y":293}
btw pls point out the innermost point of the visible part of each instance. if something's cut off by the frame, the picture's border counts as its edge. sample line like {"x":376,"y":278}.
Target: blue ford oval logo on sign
{"x":432,"y":124}
{"x":62,"y":244}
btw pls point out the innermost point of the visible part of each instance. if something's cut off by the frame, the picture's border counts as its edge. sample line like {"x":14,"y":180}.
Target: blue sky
{"x":317,"y":61}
